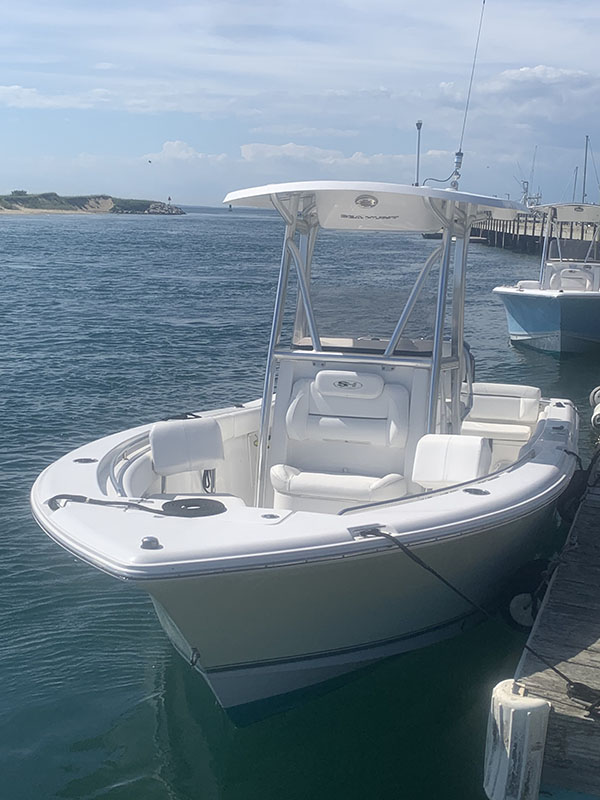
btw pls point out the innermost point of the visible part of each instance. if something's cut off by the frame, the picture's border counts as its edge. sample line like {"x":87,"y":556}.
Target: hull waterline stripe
{"x":342,"y":650}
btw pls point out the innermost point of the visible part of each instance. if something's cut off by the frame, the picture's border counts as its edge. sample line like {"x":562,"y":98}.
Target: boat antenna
{"x":458,"y":156}
{"x":419,"y":125}
{"x":585,"y":157}
{"x":531,"y":174}
{"x":594,"y":165}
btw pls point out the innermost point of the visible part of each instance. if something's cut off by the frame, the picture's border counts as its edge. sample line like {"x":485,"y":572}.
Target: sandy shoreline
{"x":94,"y":205}
{"x":50,"y":211}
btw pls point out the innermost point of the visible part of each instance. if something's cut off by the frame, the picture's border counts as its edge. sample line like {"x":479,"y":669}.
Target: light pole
{"x":419,"y":125}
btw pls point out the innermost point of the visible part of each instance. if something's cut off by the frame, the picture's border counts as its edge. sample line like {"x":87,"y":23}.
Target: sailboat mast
{"x":587,"y":141}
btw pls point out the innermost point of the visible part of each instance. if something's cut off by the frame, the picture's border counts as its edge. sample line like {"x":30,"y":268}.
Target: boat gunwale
{"x":424,"y":537}
{"x":550,"y":294}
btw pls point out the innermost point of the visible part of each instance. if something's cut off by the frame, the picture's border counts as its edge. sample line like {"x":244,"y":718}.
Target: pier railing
{"x":526,"y":232}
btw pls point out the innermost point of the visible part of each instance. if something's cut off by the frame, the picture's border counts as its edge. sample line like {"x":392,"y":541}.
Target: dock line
{"x":575,"y":690}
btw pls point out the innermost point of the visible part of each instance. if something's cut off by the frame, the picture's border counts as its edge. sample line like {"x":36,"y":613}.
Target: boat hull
{"x":252,"y":633}
{"x":552,"y":321}
{"x":265,"y":602}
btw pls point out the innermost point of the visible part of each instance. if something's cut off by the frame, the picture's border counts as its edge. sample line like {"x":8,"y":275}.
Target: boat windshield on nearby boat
{"x":277,"y":539}
{"x":560,"y":312}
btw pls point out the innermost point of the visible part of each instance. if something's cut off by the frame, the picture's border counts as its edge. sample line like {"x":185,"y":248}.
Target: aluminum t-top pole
{"x":546,"y":245}
{"x":290,"y":216}
{"x":438,"y":337}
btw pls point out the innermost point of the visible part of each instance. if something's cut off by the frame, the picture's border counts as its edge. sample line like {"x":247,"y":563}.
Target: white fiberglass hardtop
{"x":364,"y":205}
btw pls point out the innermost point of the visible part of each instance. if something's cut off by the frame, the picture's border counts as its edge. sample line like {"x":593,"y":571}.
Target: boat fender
{"x":193,"y":507}
{"x":522,"y":609}
{"x":521,"y":601}
{"x":595,"y":397}
{"x":596,"y":417}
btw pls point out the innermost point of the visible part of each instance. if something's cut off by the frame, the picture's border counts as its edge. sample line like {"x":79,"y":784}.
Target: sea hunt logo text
{"x":369,"y":216}
{"x":348,"y":385}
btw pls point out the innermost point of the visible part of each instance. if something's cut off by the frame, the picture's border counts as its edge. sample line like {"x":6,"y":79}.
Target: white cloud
{"x":299,"y":152}
{"x":24,"y":97}
{"x":334,"y":91}
{"x":304,"y":131}
{"x":291,"y":152}
{"x":536,"y":78}
{"x":177,"y":151}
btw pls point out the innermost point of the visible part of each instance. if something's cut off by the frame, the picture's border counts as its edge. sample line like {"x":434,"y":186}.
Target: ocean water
{"x":111,"y":321}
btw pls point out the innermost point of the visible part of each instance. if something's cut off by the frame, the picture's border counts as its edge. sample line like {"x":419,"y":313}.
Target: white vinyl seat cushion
{"x":501,"y":403}
{"x":506,"y":390}
{"x":288,"y":480}
{"x":445,"y":459}
{"x":503,"y":412}
{"x":571,"y":279}
{"x":335,"y":423}
{"x":345,"y":406}
{"x":186,"y":445}
{"x":496,"y":430}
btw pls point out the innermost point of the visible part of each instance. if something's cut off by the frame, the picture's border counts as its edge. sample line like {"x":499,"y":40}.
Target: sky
{"x":161,"y":98}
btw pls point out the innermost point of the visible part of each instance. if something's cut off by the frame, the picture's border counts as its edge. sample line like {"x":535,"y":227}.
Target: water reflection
{"x":348,"y":743}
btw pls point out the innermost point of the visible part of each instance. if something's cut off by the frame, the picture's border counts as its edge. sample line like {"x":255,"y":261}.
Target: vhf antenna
{"x":454,"y":177}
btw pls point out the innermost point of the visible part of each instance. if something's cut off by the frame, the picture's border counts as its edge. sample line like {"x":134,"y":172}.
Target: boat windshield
{"x":359,"y":285}
{"x":570,"y":249}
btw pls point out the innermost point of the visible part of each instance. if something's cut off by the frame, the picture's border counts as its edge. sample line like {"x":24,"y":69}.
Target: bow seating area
{"x":340,"y":438}
{"x":507,"y":414}
{"x":572,"y":279}
{"x":348,"y":438}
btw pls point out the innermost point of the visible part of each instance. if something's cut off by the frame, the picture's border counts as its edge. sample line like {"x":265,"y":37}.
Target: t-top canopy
{"x":572,"y":212}
{"x":360,"y":205}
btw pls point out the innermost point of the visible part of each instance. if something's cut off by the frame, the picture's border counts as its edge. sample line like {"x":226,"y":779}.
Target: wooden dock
{"x":567,"y":635}
{"x":526,"y":233}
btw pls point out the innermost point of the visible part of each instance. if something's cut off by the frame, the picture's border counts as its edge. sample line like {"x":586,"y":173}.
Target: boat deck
{"x":567,"y":635}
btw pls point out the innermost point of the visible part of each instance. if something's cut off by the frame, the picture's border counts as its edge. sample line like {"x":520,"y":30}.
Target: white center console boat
{"x":266,"y":534}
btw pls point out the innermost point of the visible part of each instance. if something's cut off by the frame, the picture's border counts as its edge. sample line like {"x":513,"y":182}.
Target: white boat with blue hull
{"x":560,"y":312}
{"x":277,"y":539}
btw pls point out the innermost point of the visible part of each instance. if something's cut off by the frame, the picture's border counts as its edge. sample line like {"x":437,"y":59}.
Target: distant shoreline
{"x":20,"y":202}
{"x":48,"y":211}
